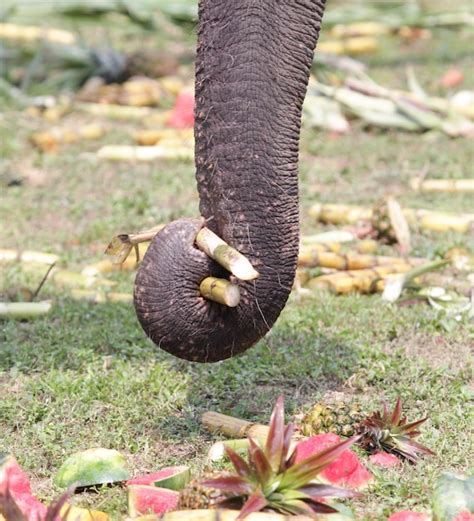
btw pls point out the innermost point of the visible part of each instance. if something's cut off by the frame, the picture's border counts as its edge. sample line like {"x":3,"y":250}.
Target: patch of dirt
{"x":438,"y":350}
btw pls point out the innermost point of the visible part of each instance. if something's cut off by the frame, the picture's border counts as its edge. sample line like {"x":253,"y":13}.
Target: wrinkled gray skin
{"x":252,"y":69}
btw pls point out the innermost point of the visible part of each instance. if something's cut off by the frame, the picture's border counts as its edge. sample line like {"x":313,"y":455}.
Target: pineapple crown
{"x":389,"y":431}
{"x":271,"y":479}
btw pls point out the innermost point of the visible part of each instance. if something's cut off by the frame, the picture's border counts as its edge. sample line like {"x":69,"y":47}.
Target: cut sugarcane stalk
{"x":350,"y":46}
{"x":24,"y":310}
{"x":152,"y":137}
{"x":222,"y":515}
{"x":360,"y":29}
{"x":50,"y":140}
{"x":228,"y":257}
{"x":99,"y":297}
{"x":331,"y":237}
{"x":442,"y":185}
{"x":350,"y":261}
{"x":120,"y":112}
{"x":334,"y":247}
{"x":426,"y":219}
{"x":367,"y":246}
{"x":121,"y":245}
{"x":27,"y":256}
{"x":34,"y":34}
{"x":362,"y":281}
{"x":70,"y":279}
{"x":217,"y":450}
{"x":339,"y":213}
{"x":132,"y":153}
{"x":221,"y":291}
{"x":232,"y":427}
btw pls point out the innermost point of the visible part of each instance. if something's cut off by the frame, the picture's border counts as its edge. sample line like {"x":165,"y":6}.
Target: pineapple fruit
{"x":196,"y":496}
{"x":341,"y":418}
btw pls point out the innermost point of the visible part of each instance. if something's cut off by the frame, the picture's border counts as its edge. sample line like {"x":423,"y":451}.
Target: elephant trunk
{"x":252,"y":69}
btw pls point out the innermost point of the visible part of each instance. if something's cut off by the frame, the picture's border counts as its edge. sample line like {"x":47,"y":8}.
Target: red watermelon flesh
{"x":149,"y":479}
{"x":13,"y":478}
{"x":383,"y":459}
{"x":464,"y":516}
{"x":143,"y":499}
{"x":345,"y":470}
{"x":409,"y":515}
{"x":182,"y":115}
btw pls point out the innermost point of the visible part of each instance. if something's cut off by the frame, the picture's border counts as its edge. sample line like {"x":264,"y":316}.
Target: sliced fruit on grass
{"x":382,"y":459}
{"x":173,"y":478}
{"x":92,"y":467}
{"x":145,"y":499}
{"x":453,"y":497}
{"x":409,"y":515}
{"x":182,"y":115}
{"x":73,"y":513}
{"x":14,"y":480}
{"x":346,"y":469}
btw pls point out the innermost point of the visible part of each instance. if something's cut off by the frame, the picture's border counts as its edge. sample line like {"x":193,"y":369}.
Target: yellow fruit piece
{"x":72,"y":513}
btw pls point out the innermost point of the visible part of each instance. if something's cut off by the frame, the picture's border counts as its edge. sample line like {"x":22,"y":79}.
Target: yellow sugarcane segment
{"x":227,"y":256}
{"x":221,"y":291}
{"x":442,"y":185}
{"x":356,"y":280}
{"x":227,"y":425}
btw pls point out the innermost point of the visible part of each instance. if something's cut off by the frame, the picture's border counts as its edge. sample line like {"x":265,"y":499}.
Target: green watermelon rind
{"x":92,"y":467}
{"x":453,"y":494}
{"x":176,"y":481}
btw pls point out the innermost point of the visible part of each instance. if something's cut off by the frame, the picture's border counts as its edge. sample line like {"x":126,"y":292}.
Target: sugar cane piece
{"x":221,"y":291}
{"x":105,"y":266}
{"x":442,"y":185}
{"x":339,"y":213}
{"x":350,"y":261}
{"x":70,"y":279}
{"x":24,"y":310}
{"x":367,"y":246}
{"x":360,"y":29}
{"x":139,"y":153}
{"x":426,"y":219}
{"x":99,"y":297}
{"x":330,"y":238}
{"x":221,"y":515}
{"x":34,"y":34}
{"x":227,"y":256}
{"x":49,"y":140}
{"x":350,"y":46}
{"x":362,"y":281}
{"x":153,"y":136}
{"x":112,"y":111}
{"x":27,"y":256}
{"x":217,"y":450}
{"x":232,"y":427}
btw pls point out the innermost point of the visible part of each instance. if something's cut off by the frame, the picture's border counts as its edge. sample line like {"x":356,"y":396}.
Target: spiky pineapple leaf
{"x":276,"y":435}
{"x":256,"y":502}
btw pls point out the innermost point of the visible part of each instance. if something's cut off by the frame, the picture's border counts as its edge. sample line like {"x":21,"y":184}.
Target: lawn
{"x":85,"y":376}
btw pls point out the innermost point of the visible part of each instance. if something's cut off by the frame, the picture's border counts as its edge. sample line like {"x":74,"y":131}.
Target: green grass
{"x":85,"y":376}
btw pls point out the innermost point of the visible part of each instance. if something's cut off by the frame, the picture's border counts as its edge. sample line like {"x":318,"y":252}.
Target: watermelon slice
{"x":464,"y":516}
{"x":92,"y":467}
{"x":383,"y":459}
{"x":174,"y":478}
{"x":345,"y":470}
{"x":13,"y":478}
{"x":143,"y":499}
{"x":182,"y":115}
{"x":409,"y":515}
